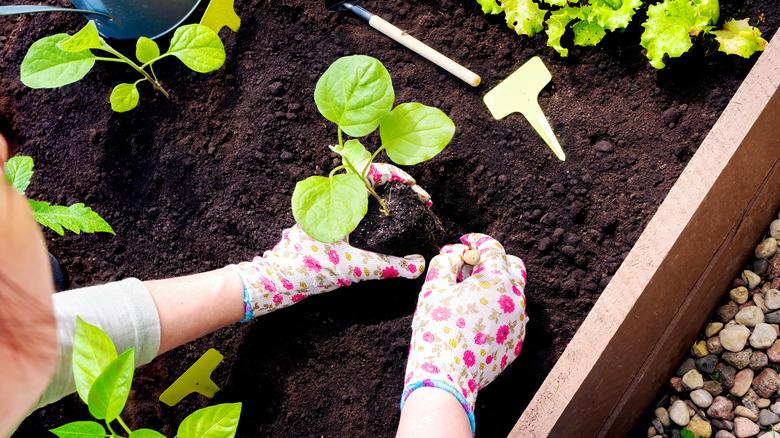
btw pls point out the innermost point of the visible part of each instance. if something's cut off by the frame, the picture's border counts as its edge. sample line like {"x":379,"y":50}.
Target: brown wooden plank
{"x":597,"y":385}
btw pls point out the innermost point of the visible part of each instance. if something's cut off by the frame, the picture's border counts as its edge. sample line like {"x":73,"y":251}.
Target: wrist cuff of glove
{"x":248,"y":314}
{"x":428,"y":383}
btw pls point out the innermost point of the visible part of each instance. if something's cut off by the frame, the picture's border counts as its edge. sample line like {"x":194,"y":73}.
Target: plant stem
{"x":333,"y":172}
{"x":105,"y":47}
{"x":369,"y":187}
{"x":154,"y":75}
{"x":124,"y":426}
{"x":110,"y":429}
{"x":341,"y":138}
{"x":373,"y":156}
{"x":102,"y":58}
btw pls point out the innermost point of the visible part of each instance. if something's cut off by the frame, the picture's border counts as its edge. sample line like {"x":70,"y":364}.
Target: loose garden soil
{"x":205,"y":179}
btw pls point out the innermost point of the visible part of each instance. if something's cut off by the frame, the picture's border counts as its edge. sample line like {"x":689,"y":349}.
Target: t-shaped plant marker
{"x":197,"y":378}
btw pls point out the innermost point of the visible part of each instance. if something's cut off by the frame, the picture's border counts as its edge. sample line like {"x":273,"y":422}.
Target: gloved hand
{"x":470,"y":321}
{"x":300,"y":266}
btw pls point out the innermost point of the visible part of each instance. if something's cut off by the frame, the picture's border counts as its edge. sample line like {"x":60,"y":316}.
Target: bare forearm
{"x":433,"y":413}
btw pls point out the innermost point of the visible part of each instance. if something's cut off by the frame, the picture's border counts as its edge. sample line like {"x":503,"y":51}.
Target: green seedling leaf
{"x":219,"y":421}
{"x":587,"y":33}
{"x":109,"y":393}
{"x":80,"y":429}
{"x":354,"y":154}
{"x":355,"y":93}
{"x":738,"y":37}
{"x":198,"y":47}
{"x":556,"y":27}
{"x":93,"y":351}
{"x":413,"y":133}
{"x":85,"y":39}
{"x":611,"y":18}
{"x":557,"y":2}
{"x":687,"y":433}
{"x":709,"y":10}
{"x":124,"y":97}
{"x":77,"y":218}
{"x":524,"y":16}
{"x":146,"y":433}
{"x":47,"y":66}
{"x":490,"y":6}
{"x":328,"y":209}
{"x":668,"y":30}
{"x":18,"y":172}
{"x":146,"y":50}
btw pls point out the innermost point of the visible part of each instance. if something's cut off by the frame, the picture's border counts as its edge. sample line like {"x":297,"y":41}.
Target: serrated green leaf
{"x":85,"y":39}
{"x":587,"y":33}
{"x":413,"y":133}
{"x":124,"y":97}
{"x":556,"y":2}
{"x":77,"y":218}
{"x":490,"y":6}
{"x":47,"y":66}
{"x":198,"y":47}
{"x":524,"y":16}
{"x":219,"y":421}
{"x":328,"y":209}
{"x":80,"y":429}
{"x":19,"y":171}
{"x":610,"y":18}
{"x":93,"y":351}
{"x":738,"y":37}
{"x":146,"y":433}
{"x":556,"y":28}
{"x":668,"y":30}
{"x":709,"y":10}
{"x":355,"y":93}
{"x":109,"y":393}
{"x":146,"y":49}
{"x":354,"y":155}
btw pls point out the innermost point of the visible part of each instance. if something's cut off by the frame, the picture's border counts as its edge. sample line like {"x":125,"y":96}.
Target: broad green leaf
{"x":146,"y":433}
{"x":355,"y":154}
{"x":77,"y":218}
{"x":109,"y":393}
{"x":667,"y":30}
{"x":124,"y":97}
{"x":611,"y":18}
{"x":146,"y":49}
{"x":93,"y":351}
{"x":219,"y":421}
{"x":198,"y":47}
{"x":414,"y":133}
{"x":47,"y":66}
{"x":687,"y":433}
{"x":490,"y":6}
{"x":709,"y":10}
{"x":18,"y":172}
{"x":355,"y":93}
{"x":328,"y":209}
{"x":738,"y":37}
{"x":587,"y":33}
{"x":556,"y":27}
{"x":524,"y":16}
{"x":85,"y":39}
{"x":80,"y":429}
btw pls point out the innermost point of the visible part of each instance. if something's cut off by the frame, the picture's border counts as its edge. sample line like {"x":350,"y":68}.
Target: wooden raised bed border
{"x":679,"y":269}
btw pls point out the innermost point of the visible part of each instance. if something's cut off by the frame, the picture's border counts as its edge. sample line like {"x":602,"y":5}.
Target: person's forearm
{"x":433,"y":413}
{"x":192,"y":306}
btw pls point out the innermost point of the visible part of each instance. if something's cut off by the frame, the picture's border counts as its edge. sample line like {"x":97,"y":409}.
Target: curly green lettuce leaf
{"x":587,"y":33}
{"x":612,"y":15}
{"x":738,"y":37}
{"x":490,"y":6}
{"x":556,"y":27}
{"x":708,"y":10}
{"x":556,"y":2}
{"x":668,"y":30}
{"x":524,"y":16}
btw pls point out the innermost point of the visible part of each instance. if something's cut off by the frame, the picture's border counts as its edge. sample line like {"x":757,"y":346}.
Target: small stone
{"x":713,"y":328}
{"x":739,"y":294}
{"x":721,"y":408}
{"x":714,"y":388}
{"x":766,"y":383}
{"x":763,"y":403}
{"x":676,"y":384}
{"x":713,"y":345}
{"x":727,"y":373}
{"x":767,"y":248}
{"x":758,"y":300}
{"x":659,"y":428}
{"x":723,"y":424}
{"x":700,"y":428}
{"x":742,"y":411}
{"x":701,"y":398}
{"x":760,"y":266}
{"x":724,"y":434}
{"x":763,"y":336}
{"x":687,"y":365}
{"x":699,"y":349}
{"x":774,"y":352}
{"x":758,"y":360}
{"x":604,"y":146}
{"x":749,"y":316}
{"x":706,"y":364}
{"x":775,"y":407}
{"x":733,"y":338}
{"x":692,"y":380}
{"x":774,"y":229}
{"x":772,"y":299}
{"x":749,"y":401}
{"x":651,"y":432}
{"x":751,"y":278}
{"x":740,"y":359}
{"x":769,"y":434}
{"x":727,"y":311}
{"x":744,"y":428}
{"x":742,"y":382}
{"x":768,"y":418}
{"x":679,"y":413}
{"x":663,"y":416}
{"x":773,"y":318}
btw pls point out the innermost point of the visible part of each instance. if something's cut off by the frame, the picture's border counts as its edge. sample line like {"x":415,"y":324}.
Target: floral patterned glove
{"x":470,"y":321}
{"x":300,"y":266}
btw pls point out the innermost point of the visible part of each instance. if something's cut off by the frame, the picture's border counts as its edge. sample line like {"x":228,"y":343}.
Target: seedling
{"x":356,"y":93}
{"x":77,"y":218}
{"x":669,"y":29}
{"x":103,"y":381}
{"x":62,"y":59}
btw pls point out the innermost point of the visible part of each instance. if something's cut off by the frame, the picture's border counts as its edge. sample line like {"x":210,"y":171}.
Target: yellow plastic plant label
{"x":221,"y":13}
{"x":197,"y":378}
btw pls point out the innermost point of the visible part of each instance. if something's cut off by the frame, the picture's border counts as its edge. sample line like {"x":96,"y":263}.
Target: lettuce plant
{"x":669,"y":29}
{"x":356,"y":93}
{"x":77,"y":218}
{"x":63,"y":59}
{"x":103,"y":379}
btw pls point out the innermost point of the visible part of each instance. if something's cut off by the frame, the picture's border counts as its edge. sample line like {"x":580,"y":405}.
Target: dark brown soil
{"x":205,"y":179}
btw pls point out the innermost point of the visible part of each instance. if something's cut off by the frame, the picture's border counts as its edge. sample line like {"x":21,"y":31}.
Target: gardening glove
{"x":470,"y":321}
{"x":382,"y":173}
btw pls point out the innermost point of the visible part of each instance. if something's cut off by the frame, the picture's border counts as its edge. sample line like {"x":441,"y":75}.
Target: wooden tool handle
{"x":425,"y":51}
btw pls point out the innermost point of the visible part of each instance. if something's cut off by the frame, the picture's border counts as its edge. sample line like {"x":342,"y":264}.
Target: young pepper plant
{"x":77,"y":218}
{"x":356,"y":93}
{"x":62,"y":59}
{"x":103,"y":379}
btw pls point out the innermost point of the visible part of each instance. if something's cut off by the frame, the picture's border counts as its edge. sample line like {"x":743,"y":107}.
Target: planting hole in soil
{"x":205,"y":179}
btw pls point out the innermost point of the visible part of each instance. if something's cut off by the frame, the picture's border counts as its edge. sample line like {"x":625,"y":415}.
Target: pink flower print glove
{"x":470,"y":321}
{"x":300,"y":266}
{"x":382,"y":173}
